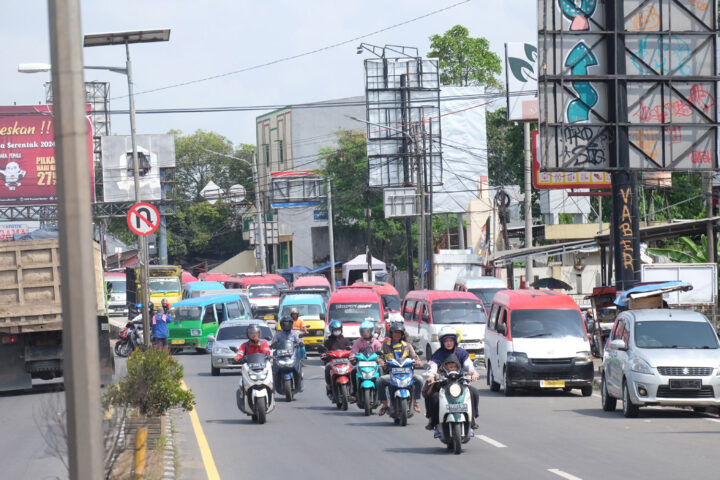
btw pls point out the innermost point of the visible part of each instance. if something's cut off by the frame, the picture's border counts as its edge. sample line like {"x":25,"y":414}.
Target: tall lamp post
{"x":126,"y":38}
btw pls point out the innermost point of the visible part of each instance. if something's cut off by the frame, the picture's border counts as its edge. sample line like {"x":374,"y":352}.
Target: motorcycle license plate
{"x":284,"y":353}
{"x":401,"y":371}
{"x":457,"y":407}
{"x":177,"y":342}
{"x":552,"y":383}
{"x":341,"y":360}
{"x":470,"y":346}
{"x":366,"y":364}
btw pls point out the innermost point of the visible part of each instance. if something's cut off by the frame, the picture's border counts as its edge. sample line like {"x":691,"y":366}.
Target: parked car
{"x":427,"y":311}
{"x":661,"y":357}
{"x":232,"y":333}
{"x":537,"y":339}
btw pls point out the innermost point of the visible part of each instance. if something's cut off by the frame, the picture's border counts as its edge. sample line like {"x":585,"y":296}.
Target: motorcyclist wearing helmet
{"x":367,"y":341}
{"x":448,"y":337}
{"x":395,"y":347}
{"x":254,"y":344}
{"x":335,"y":341}
{"x":451,"y":364}
{"x":287,"y":334}
{"x":298,"y":326}
{"x":165,"y":304}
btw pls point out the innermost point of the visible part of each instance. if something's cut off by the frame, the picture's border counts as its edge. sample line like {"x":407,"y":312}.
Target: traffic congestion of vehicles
{"x":371,"y":343}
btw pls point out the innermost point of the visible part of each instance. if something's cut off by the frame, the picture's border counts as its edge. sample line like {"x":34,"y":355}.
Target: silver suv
{"x":661,"y":357}
{"x":232,"y":333}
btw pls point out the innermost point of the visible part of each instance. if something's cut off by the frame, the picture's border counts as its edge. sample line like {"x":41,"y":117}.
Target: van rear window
{"x":485,"y":294}
{"x":354,"y":312}
{"x":391,"y":302}
{"x":188,"y":313}
{"x":546,"y":323}
{"x":457,"y":311}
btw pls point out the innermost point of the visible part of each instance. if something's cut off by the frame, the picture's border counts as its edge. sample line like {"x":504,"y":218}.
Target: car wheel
{"x":608,"y":401}
{"x":629,"y":409}
{"x":509,"y":391}
{"x":586,"y":390}
{"x":494,"y":386}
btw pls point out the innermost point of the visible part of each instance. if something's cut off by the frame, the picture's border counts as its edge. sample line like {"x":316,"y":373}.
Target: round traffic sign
{"x":143,"y":219}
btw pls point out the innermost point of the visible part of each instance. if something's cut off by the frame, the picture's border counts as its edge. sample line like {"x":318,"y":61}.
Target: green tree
{"x":465,"y":61}
{"x":505,"y":149}
{"x":347,"y":168}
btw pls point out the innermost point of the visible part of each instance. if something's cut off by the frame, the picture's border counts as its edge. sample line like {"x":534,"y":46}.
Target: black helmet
{"x":253,"y":328}
{"x":286,"y":324}
{"x":397,"y":327}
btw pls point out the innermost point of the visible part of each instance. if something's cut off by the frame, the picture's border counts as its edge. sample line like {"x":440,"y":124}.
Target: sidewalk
{"x":189,"y":460}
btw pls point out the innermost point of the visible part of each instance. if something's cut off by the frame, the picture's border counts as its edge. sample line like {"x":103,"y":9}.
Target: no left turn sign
{"x":143,"y":219}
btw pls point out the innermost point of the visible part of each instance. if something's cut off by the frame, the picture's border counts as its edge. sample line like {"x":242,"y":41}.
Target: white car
{"x":661,"y":357}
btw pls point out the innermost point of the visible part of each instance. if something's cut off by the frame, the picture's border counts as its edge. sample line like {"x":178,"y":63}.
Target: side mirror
{"x":618,"y":344}
{"x":211,"y":338}
{"x":234,"y":349}
{"x":386,"y":315}
{"x":322,"y":316}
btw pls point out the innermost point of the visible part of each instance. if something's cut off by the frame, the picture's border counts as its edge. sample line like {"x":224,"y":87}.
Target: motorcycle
{"x":400,"y":390}
{"x":287,"y":369}
{"x":255,"y":396}
{"x":129,"y":339}
{"x":367,"y":375}
{"x":455,"y":411}
{"x":339,"y":376}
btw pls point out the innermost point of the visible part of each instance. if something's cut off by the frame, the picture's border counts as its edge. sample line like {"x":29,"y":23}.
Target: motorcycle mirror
{"x":234,"y":349}
{"x":211,"y":338}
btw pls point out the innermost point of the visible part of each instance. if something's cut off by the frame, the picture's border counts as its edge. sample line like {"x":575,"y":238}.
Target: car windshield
{"x":303,"y":310}
{"x":163,"y":285}
{"x":485,"y":294}
{"x":354,"y":312}
{"x":239,"y":332}
{"x":674,"y":334}
{"x":282,"y":286}
{"x":187,"y":313}
{"x":391,"y":302}
{"x":266,"y":290}
{"x":115,"y":286}
{"x":458,"y":311}
{"x":546,"y":323}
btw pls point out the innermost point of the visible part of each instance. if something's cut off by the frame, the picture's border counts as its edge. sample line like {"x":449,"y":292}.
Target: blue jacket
{"x":159,"y":325}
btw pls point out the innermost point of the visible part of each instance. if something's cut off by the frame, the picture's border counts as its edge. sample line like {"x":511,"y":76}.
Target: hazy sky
{"x":215,"y":37}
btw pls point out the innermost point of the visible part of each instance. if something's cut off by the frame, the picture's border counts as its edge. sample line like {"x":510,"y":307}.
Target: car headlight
{"x":583,"y":358}
{"x":640,"y":365}
{"x":195,"y":332}
{"x":455,"y":390}
{"x":517,"y":357}
{"x":220,"y":350}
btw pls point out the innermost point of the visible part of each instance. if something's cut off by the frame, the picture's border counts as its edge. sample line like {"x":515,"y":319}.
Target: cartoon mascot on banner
{"x":12,"y":173}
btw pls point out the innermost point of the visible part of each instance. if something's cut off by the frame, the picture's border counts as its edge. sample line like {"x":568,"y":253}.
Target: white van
{"x":537,"y":339}
{"x":484,"y":288}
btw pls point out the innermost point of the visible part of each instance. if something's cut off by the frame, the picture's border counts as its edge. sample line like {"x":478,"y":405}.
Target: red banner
{"x":27,"y":155}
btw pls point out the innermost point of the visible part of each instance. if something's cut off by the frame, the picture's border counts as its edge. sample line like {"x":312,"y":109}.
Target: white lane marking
{"x":562,"y":474}
{"x":713,"y":420}
{"x":492,"y":442}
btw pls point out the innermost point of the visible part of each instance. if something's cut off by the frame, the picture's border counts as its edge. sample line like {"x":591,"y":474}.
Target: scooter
{"x":255,"y":396}
{"x":287,"y":370}
{"x":367,"y":375}
{"x":455,"y":411}
{"x":339,"y":376}
{"x":129,"y":339}
{"x":400,"y":390}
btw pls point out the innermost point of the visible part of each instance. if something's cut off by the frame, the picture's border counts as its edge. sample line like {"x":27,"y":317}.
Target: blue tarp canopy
{"x":624,"y":298}
{"x":324,"y":267}
{"x":296,"y":269}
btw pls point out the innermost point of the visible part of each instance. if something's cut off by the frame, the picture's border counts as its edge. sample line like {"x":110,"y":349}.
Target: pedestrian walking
{"x":160,"y":329}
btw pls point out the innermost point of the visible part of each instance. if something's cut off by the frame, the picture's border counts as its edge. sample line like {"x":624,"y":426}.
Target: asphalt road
{"x":547,"y":435}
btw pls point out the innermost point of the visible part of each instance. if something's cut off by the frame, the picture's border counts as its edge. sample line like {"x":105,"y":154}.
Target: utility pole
{"x":260,"y":229}
{"x":429,"y":213}
{"x":330,"y":233}
{"x":421,"y":209}
{"x":79,"y":309}
{"x":528,"y":203}
{"x":406,"y":179}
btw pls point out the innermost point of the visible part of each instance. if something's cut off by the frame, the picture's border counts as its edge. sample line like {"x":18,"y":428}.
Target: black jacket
{"x":337,"y":343}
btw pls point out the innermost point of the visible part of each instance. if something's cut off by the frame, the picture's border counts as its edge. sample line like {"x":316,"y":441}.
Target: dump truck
{"x":31,"y":314}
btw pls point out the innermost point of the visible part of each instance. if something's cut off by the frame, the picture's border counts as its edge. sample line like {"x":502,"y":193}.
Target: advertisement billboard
{"x":521,"y":78}
{"x":702,"y":276}
{"x":565,"y":180}
{"x":154,"y":153}
{"x":28,"y":171}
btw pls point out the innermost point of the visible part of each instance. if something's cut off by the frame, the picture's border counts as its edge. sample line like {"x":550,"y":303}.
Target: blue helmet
{"x":336,"y":325}
{"x":367,"y":326}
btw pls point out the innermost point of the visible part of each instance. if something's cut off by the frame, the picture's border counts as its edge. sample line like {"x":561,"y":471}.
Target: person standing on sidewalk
{"x":160,"y":329}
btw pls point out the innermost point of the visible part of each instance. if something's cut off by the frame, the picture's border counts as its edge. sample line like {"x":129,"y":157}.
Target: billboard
{"x":521,"y":78}
{"x":154,"y":153}
{"x":702,"y":276}
{"x":652,"y":102}
{"x":27,"y":155}
{"x":563,"y":180}
{"x":298,"y":188}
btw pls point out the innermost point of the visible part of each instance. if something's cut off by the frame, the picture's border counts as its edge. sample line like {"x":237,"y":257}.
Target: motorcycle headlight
{"x":195,"y":332}
{"x":583,"y":358}
{"x":517,"y":357}
{"x":455,"y":390}
{"x":640,"y":365}
{"x":258,"y":375}
{"x":286,"y":363}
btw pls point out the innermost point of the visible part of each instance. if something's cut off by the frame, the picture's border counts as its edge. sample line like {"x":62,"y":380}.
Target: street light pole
{"x":330,"y":233}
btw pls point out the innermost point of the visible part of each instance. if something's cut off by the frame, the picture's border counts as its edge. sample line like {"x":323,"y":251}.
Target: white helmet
{"x":448,"y":331}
